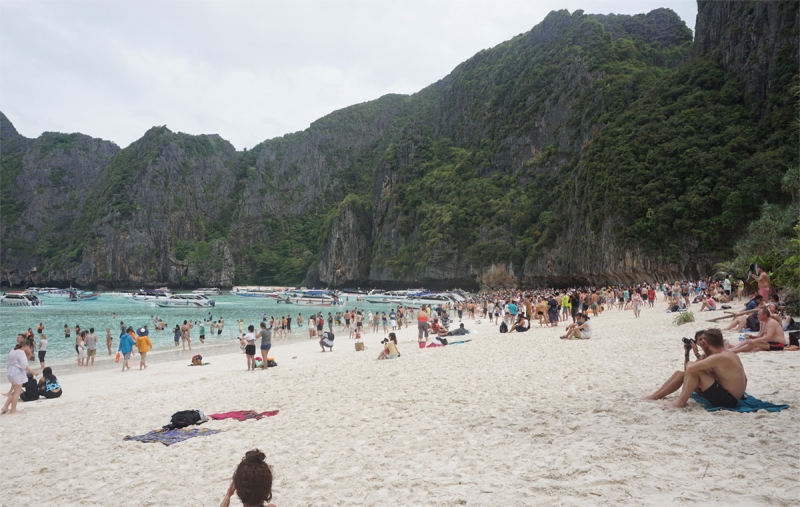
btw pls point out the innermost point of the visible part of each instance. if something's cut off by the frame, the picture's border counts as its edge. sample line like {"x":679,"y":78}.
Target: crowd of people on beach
{"x":716,"y":373}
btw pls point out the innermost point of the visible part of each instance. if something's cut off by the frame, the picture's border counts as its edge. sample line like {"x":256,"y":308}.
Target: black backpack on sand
{"x":503,"y":327}
{"x":186,"y":418}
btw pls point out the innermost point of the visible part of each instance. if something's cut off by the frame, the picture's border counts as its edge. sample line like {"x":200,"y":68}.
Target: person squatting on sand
{"x":17,"y":370}
{"x":326,"y":340}
{"x":252,"y":482}
{"x":718,"y":376}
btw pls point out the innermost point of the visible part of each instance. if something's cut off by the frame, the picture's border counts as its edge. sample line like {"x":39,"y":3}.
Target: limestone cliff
{"x":594,"y":148}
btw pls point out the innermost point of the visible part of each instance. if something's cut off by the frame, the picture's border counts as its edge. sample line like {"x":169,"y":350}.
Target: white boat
{"x":213,"y":291}
{"x":262,"y":292}
{"x":61,"y":293}
{"x":85,"y":296}
{"x":151,"y":296}
{"x":430,"y":300}
{"x":186,"y":301}
{"x":20,"y":299}
{"x":312,"y":301}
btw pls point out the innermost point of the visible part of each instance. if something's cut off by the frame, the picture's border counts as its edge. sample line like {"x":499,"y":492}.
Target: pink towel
{"x":243,"y":415}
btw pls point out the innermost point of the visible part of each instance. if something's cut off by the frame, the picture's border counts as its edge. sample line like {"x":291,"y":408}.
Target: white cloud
{"x":248,"y":71}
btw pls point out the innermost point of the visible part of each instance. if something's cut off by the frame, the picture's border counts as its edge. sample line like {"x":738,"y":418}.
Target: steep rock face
{"x":756,"y":41}
{"x":543,"y":160}
{"x":44,"y":188}
{"x":345,"y":255}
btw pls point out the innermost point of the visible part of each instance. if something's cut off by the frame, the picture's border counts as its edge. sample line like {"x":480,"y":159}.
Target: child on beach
{"x":202,"y":332}
{"x":82,"y":352}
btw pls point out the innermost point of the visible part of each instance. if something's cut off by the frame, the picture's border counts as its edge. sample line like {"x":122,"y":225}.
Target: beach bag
{"x":197,"y":360}
{"x":186,"y":418}
{"x":503,"y":327}
{"x":271,"y":363}
{"x":116,"y":359}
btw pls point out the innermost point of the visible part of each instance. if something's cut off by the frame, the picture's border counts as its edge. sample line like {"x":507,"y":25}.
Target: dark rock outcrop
{"x":756,"y":42}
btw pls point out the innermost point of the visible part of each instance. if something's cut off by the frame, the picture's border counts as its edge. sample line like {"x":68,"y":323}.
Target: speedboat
{"x":61,"y":293}
{"x":430,"y":300}
{"x":313,"y":298}
{"x":20,"y":299}
{"x":151,"y":296}
{"x":84,"y":296}
{"x":186,"y":301}
{"x":207,"y":291}
{"x":262,"y":292}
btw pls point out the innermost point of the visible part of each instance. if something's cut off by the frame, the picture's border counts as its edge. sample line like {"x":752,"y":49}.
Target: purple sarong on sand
{"x":169,"y":437}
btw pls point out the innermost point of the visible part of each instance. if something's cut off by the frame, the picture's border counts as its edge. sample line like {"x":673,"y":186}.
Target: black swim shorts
{"x":718,"y":396}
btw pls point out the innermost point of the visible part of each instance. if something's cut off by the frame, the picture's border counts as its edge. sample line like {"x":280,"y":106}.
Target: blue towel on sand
{"x":458,"y":342}
{"x":169,"y":437}
{"x":746,"y":404}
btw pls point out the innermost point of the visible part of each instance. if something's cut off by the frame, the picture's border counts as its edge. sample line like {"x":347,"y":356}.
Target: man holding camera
{"x":719,"y":378}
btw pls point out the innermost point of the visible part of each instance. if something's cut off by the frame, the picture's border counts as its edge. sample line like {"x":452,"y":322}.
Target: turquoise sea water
{"x":98,"y":314}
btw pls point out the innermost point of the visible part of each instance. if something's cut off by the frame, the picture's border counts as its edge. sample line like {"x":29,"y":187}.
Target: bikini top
{"x":51,"y":385}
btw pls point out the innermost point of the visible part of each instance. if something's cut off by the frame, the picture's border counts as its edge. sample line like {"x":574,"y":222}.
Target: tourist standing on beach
{"x":17,"y":370}
{"x":250,"y":348}
{"x":422,"y":323}
{"x":126,"y":348}
{"x":42,"y":349}
{"x":108,"y":340}
{"x":202,"y":332}
{"x":143,"y":344}
{"x":91,"y":346}
{"x":185,"y":336}
{"x":637,"y":304}
{"x":266,"y":344}
{"x":80,"y":348}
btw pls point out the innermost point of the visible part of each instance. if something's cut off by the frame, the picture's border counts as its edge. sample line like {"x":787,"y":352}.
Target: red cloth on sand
{"x":243,"y":415}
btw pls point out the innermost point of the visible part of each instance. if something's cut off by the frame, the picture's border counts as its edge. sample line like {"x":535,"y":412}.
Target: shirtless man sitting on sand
{"x":719,"y":378}
{"x":770,"y":336}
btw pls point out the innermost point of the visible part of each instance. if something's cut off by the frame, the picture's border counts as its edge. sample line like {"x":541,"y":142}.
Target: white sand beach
{"x":507,"y":419}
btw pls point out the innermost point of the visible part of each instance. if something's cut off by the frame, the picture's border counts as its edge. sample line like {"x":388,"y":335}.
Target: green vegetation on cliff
{"x":587,"y":127}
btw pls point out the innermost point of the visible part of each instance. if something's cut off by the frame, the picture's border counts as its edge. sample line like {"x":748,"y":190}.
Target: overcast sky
{"x":248,"y":71}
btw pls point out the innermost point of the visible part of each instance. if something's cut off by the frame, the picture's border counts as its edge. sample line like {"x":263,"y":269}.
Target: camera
{"x":687,"y":341}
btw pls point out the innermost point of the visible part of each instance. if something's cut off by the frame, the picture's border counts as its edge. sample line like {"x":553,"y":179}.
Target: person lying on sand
{"x":719,"y":378}
{"x":770,"y":336}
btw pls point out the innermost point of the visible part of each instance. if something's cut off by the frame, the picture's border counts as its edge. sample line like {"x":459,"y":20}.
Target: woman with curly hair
{"x":252,"y":481}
